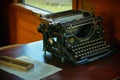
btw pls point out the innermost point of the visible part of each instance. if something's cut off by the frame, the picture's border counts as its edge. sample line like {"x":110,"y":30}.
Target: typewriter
{"x":75,"y":36}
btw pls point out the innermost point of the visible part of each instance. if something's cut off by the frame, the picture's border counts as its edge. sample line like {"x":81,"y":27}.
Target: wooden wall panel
{"x":24,"y":24}
{"x":74,"y":4}
{"x":88,"y":5}
{"x":12,"y":25}
{"x":28,"y":30}
{"x":110,"y":12}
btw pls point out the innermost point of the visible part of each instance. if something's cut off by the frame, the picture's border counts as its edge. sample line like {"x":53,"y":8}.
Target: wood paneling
{"x":24,"y":24}
{"x":110,"y":12}
{"x":73,"y":4}
{"x":88,"y":5}
{"x":12,"y":25}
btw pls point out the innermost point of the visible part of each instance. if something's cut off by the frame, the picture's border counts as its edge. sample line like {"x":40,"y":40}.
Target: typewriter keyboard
{"x":89,"y":48}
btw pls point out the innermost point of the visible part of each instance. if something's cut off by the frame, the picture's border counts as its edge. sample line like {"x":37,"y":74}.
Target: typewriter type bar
{"x":15,"y":63}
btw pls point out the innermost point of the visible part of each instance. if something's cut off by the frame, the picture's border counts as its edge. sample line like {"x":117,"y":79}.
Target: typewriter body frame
{"x":68,"y":35}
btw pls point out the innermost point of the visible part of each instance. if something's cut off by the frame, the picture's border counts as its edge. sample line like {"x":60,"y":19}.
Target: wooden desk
{"x":107,"y":68}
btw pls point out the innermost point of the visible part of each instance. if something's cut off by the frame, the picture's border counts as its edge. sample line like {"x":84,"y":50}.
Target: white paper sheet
{"x":40,"y":70}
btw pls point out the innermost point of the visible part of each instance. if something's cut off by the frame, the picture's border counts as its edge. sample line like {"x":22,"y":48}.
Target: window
{"x":51,"y":5}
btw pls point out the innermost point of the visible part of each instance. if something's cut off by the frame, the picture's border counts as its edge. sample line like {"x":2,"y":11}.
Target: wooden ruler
{"x":15,"y":63}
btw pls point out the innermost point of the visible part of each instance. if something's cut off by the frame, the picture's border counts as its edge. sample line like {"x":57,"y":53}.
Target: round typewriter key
{"x":90,"y":51}
{"x":82,"y":51}
{"x":80,"y":55}
{"x":87,"y":49}
{"x":73,"y":50}
{"x":76,"y":56}
{"x":93,"y":51}
{"x":78,"y":48}
{"x":76,"y":53}
{"x":98,"y":49}
{"x":72,"y":46}
{"x":91,"y":48}
{"x":87,"y":45}
{"x":87,"y":52}
{"x":108,"y":45}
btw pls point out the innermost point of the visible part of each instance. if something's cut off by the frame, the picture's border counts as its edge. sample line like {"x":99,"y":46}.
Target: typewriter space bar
{"x":86,"y":60}
{"x":100,"y":56}
{"x":96,"y":54}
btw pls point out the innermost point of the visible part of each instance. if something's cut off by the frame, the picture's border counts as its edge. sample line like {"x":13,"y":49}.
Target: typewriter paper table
{"x":107,"y":68}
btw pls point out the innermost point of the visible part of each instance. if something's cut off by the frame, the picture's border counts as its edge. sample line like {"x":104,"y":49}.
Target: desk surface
{"x":107,"y":68}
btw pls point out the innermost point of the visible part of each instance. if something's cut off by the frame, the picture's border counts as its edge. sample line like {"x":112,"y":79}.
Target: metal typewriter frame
{"x":55,"y":37}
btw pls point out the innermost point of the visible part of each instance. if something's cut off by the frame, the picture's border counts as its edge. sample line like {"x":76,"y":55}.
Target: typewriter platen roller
{"x":76,"y":36}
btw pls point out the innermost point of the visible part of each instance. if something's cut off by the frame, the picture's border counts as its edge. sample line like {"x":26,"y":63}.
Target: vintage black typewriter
{"x":75,"y":36}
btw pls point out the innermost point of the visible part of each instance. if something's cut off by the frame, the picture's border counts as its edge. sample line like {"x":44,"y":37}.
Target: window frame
{"x":76,"y":4}
{"x":23,"y":1}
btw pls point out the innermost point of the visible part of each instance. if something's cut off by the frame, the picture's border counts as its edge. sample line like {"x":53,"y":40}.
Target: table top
{"x":107,"y":68}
